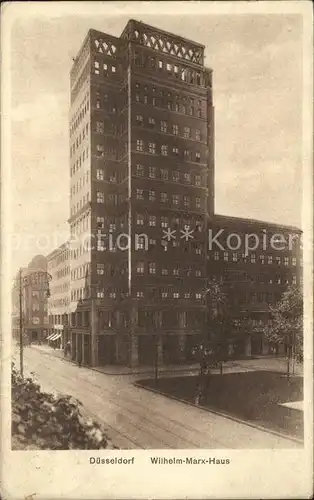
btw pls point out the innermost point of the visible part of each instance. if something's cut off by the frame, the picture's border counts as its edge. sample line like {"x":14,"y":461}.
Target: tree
{"x":213,"y":349}
{"x":286,"y":326}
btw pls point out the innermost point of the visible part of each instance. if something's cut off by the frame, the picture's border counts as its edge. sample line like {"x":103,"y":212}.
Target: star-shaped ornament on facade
{"x":168,"y":234}
{"x":186,"y":233}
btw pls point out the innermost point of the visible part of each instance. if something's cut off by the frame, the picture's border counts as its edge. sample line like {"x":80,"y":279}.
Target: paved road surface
{"x":136,"y":418}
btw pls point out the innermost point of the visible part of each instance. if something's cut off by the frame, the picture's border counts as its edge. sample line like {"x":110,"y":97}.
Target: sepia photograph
{"x":155,"y":226}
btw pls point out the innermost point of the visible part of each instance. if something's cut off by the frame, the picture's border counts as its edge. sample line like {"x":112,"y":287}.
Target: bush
{"x":48,"y":422}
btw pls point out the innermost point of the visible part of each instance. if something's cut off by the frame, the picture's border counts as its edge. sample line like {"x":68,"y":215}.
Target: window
{"x":163,"y":197}
{"x":286,"y":261}
{"x":175,"y":129}
{"x":100,"y":197}
{"x":226,"y":256}
{"x":270,"y":259}
{"x":169,"y":68}
{"x":235,"y":257}
{"x":187,"y":295}
{"x":151,"y":195}
{"x":96,"y":66}
{"x":198,"y":296}
{"x":140,"y":243}
{"x":175,"y":176}
{"x":152,"y":148}
{"x":105,"y":67}
{"x":100,"y":127}
{"x":163,"y":126}
{"x":100,"y":174}
{"x":164,"y":221}
{"x":113,"y":178}
{"x":198,"y":273}
{"x":253,"y":258}
{"x":154,"y":101}
{"x":152,"y":267}
{"x":186,"y":154}
{"x":197,"y":180}
{"x":139,"y":170}
{"x":140,"y":268}
{"x":137,"y":97}
{"x":176,"y":271}
{"x":100,"y":268}
{"x":176,"y":70}
{"x":164,"y":295}
{"x":112,"y":295}
{"x":198,"y":135}
{"x":186,"y":201}
{"x":187,"y":177}
{"x":139,"y":295}
{"x":160,"y":64}
{"x":278,"y":260}
{"x":187,"y":132}
{"x":152,"y":220}
{"x":175,"y":199}
{"x":164,"y":272}
{"x":198,"y":202}
{"x":139,"y":145}
{"x":164,"y":174}
{"x":164,"y":150}
{"x":294,"y":261}
{"x":151,"y":121}
{"x":169,"y":105}
{"x":152,"y":172}
{"x":294,"y":279}
{"x":145,"y":99}
{"x":262,"y":258}
{"x":140,"y":220}
{"x":176,"y":295}
{"x":139,"y":119}
{"x":216,"y":255}
{"x":100,"y":148}
{"x":197,"y":157}
{"x":100,"y":222}
{"x":175,"y":150}
{"x":139,"y":194}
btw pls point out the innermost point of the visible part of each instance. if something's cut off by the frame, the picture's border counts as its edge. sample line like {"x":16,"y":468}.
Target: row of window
{"x":174,"y":98}
{"x":163,"y":103}
{"x":79,"y":139}
{"x":56,"y":289}
{"x":63,"y":257}
{"x":253,"y":258}
{"x":164,"y":150}
{"x":165,"y":174}
{"x":79,"y":114}
{"x":79,"y":161}
{"x":174,"y":128}
{"x":80,"y":183}
{"x":164,"y":271}
{"x":176,"y":200}
{"x":55,"y":304}
{"x":104,"y":69}
{"x":80,"y":204}
{"x":176,"y":71}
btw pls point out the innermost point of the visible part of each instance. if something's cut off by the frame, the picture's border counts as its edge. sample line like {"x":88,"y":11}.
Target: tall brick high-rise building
{"x":142,"y":162}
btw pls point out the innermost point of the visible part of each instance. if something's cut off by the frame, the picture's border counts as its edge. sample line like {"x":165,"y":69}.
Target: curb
{"x":221,"y":414}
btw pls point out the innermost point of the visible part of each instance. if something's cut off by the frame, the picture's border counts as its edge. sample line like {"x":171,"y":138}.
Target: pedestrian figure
{"x":79,"y":359}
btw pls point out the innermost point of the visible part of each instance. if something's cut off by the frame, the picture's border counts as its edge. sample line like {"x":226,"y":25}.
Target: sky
{"x":257,"y":83}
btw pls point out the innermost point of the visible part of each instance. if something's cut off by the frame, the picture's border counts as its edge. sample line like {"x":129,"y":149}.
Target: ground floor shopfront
{"x":149,"y":349}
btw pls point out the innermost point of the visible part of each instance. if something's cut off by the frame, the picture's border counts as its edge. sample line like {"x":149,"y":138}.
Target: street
{"x":138,"y":419}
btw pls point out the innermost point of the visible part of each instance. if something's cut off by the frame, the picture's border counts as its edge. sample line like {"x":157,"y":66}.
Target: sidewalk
{"x":263,"y":363}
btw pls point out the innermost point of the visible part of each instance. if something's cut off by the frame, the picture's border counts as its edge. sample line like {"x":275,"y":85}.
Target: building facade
{"x":255,"y":262}
{"x":129,"y":288}
{"x":141,"y":154}
{"x":58,"y":263}
{"x":32,"y":285}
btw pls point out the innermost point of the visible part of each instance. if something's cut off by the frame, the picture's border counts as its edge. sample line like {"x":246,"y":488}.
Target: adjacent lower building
{"x":59,"y":301}
{"x":29,"y":301}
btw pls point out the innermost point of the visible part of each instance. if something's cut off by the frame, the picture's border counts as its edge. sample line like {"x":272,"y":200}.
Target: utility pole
{"x":21,"y":324}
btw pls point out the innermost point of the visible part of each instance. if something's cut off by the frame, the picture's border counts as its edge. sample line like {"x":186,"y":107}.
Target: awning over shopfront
{"x":55,"y":336}
{"x":49,"y":336}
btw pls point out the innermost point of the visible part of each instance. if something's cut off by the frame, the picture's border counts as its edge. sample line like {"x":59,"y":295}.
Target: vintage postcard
{"x":156,"y":294}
